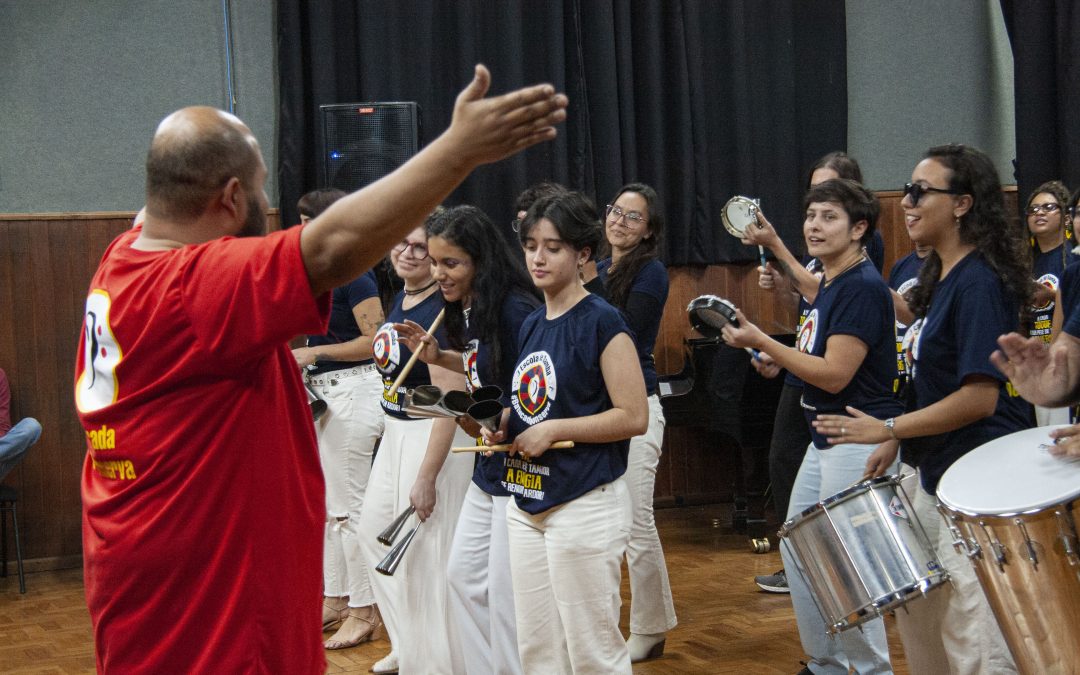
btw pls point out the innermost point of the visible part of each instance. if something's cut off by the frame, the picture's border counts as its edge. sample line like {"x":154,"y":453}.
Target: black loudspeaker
{"x":362,"y":142}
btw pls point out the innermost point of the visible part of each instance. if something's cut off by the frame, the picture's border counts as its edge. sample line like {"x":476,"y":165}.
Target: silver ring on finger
{"x":843,"y":431}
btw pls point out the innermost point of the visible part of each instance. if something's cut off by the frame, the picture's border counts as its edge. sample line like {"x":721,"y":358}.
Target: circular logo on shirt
{"x":534,"y":387}
{"x":1049,"y":281}
{"x":385,"y":348}
{"x":807,"y":332}
{"x":911,"y":346}
{"x":904,"y":288}
{"x":469,"y":359}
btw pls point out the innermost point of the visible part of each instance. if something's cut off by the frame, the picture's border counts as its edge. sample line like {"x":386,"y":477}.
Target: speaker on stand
{"x":362,"y":142}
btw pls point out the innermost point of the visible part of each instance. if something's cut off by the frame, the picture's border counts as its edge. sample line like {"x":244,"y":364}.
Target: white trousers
{"x":651,"y":607}
{"x":413,"y":602}
{"x":481,"y":591}
{"x":347,"y":431}
{"x":952,"y":629}
{"x":567,"y":567}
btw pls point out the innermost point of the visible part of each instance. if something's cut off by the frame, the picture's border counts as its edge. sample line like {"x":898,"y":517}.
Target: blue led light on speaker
{"x":335,"y":155}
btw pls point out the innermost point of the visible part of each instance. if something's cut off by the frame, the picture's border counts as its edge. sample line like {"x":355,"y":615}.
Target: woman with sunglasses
{"x":844,"y":355}
{"x":485,"y":306}
{"x":414,"y":467}
{"x":636,"y":282}
{"x":577,"y":379}
{"x":971,"y":290}
{"x":1051,"y":251}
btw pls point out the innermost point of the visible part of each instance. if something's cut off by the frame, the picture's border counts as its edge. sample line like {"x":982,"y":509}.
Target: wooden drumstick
{"x":416,"y":355}
{"x":505,"y":447}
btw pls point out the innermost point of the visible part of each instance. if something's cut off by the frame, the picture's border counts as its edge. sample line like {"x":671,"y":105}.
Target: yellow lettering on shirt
{"x":115,"y":469}
{"x":102,"y":439}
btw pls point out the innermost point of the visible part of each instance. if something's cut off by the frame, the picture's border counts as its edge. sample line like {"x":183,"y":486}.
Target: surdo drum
{"x":862,"y":553}
{"x":1011,"y":507}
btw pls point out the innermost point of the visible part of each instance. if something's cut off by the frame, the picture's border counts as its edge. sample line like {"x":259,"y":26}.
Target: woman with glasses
{"x":636,"y":282}
{"x":339,"y":369}
{"x":485,"y":306}
{"x":577,"y":379}
{"x":1051,"y":251}
{"x":971,"y":290}
{"x":414,"y":467}
{"x":845,"y":356}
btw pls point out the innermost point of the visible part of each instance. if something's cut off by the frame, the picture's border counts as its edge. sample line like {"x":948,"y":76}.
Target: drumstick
{"x":505,"y":447}
{"x":412,"y":360}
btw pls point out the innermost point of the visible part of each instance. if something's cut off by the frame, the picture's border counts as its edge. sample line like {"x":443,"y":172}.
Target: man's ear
{"x":232,"y":198}
{"x":859,"y":229}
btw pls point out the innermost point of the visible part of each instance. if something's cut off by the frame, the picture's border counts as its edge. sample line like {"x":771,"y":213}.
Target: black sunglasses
{"x":917,"y":190}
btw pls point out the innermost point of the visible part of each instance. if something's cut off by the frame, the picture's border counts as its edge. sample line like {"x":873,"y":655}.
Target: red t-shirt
{"x":203,"y":497}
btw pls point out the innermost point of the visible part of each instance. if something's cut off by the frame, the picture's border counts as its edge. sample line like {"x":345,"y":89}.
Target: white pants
{"x":824,"y":473}
{"x":1045,"y":417}
{"x":567,"y":567}
{"x":952,"y":629}
{"x":651,"y":606}
{"x":348,"y":431}
{"x":413,"y":602}
{"x":481,"y":592}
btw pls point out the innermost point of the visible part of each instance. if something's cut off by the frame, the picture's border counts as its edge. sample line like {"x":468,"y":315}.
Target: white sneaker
{"x":387,"y":664}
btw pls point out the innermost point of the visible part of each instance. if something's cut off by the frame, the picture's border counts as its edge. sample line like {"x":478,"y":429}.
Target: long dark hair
{"x":499,"y":273}
{"x":621,"y":277}
{"x":1002,"y":243}
{"x":572,"y":214}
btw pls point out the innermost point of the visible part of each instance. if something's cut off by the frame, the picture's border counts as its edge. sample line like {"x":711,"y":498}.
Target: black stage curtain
{"x":701,"y":99}
{"x":1046,"y":69}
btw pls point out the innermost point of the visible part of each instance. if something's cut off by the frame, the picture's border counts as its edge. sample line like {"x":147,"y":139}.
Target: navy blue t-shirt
{"x":856,"y":303}
{"x":1048,"y":269}
{"x":489,"y":472}
{"x":1070,"y":299}
{"x":968,"y":311}
{"x":343,"y":326}
{"x":875,"y":250}
{"x":558,"y":376}
{"x":813,"y":265}
{"x":391,"y":354}
{"x":651,"y":280}
{"x":904,"y":275}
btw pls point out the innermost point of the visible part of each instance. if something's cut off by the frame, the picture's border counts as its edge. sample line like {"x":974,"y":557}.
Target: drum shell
{"x":1037,"y":606}
{"x":862,"y":552}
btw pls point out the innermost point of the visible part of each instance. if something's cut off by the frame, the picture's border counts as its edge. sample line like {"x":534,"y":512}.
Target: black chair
{"x":9,"y":502}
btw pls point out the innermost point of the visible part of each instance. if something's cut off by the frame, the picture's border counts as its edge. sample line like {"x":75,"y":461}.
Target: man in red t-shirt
{"x":202,"y":491}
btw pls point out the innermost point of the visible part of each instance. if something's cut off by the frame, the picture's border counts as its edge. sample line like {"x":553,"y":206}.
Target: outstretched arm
{"x":764,"y":234}
{"x":356,"y":231}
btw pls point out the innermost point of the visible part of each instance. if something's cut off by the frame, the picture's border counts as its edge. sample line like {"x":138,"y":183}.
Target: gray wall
{"x":926,"y":72}
{"x":84,"y":84}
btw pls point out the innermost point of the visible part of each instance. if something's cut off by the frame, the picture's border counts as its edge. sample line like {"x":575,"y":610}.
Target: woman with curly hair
{"x":971,"y":289}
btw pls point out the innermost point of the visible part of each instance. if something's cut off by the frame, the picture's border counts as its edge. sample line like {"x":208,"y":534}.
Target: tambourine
{"x":739,"y":214}
{"x":709,"y":314}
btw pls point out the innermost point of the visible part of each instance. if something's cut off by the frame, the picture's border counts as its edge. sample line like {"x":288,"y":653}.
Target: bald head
{"x":194,"y":153}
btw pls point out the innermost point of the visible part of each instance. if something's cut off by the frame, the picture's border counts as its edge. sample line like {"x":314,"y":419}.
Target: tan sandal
{"x":338,"y":616}
{"x":374,"y":622}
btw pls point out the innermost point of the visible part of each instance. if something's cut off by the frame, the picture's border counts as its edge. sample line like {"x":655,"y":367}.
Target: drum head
{"x":738,"y":214}
{"x":709,"y":314}
{"x":1011,"y":474}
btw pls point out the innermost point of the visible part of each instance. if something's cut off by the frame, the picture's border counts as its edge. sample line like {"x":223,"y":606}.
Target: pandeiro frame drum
{"x":862,"y":553}
{"x":1011,"y":507}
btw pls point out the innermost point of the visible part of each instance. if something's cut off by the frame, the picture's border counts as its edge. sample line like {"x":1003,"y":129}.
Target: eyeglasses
{"x":917,"y":190}
{"x":1047,"y":208}
{"x":419,"y":251}
{"x":633,"y":218}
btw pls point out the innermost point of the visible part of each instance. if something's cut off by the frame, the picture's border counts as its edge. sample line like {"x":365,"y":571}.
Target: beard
{"x":255,"y":223}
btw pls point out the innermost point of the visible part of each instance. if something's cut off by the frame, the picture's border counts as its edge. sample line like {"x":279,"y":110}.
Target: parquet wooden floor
{"x":726,"y":625}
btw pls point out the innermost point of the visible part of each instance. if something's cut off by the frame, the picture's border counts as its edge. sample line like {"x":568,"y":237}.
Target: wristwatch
{"x":890,"y":426}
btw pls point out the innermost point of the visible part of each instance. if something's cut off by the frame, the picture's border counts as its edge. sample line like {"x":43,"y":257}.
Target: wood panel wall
{"x":47,"y":260}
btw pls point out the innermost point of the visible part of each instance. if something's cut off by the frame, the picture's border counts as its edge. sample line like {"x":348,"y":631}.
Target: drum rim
{"x":708,"y":301}
{"x":737,"y":199}
{"x":879,"y":606}
{"x":844,"y":494}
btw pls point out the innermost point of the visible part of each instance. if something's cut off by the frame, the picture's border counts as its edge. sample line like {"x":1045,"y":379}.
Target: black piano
{"x":719,"y":391}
